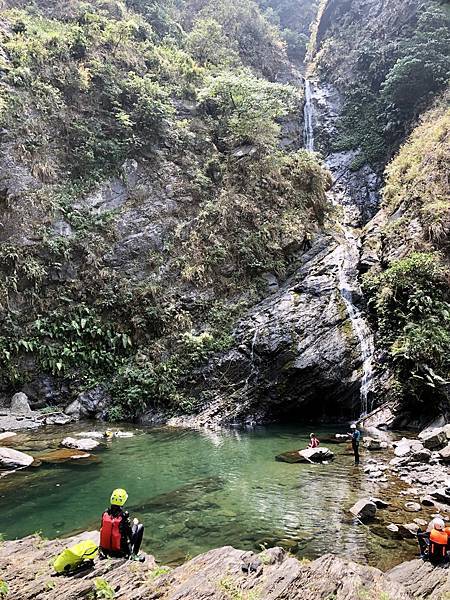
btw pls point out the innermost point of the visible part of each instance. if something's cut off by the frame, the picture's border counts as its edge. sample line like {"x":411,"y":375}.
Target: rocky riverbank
{"x":221,"y":574}
{"x":421,"y":463}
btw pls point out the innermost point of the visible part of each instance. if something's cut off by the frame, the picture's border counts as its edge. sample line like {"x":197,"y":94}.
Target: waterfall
{"x":308,"y":113}
{"x":347,"y":261}
{"x":348,"y":254}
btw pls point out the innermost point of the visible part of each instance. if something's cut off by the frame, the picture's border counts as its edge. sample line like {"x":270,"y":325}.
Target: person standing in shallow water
{"x":313,"y":441}
{"x":356,"y":437}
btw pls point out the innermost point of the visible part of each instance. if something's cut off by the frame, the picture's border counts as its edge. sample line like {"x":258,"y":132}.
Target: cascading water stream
{"x":308,"y":134}
{"x":347,"y":260}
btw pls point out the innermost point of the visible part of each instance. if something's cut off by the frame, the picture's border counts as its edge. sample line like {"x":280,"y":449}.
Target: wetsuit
{"x":356,"y":436}
{"x":130,"y":535}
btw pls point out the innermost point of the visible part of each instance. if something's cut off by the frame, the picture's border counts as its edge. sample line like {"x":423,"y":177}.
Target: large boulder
{"x":447,"y":430}
{"x":20,"y":404}
{"x":307,"y":455}
{"x":316,"y":454}
{"x":422,"y":580}
{"x":364,"y":509}
{"x":91,"y":404}
{"x":85,"y":444}
{"x":13,"y":459}
{"x":434,"y":439}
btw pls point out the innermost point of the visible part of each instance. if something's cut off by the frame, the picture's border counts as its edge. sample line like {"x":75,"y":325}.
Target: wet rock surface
{"x":296,"y":351}
{"x":85,"y":444}
{"x":364,"y":509}
{"x":306,"y":455}
{"x":64,"y":455}
{"x":217,"y":575}
{"x":13,"y":459}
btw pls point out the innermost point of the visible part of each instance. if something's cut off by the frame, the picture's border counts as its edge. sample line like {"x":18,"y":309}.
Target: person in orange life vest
{"x":423,"y":537}
{"x":438,"y":542}
{"x":119,"y":537}
{"x":313,"y":441}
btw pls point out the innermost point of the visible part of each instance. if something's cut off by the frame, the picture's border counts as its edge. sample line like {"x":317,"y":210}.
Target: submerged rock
{"x":91,"y":434}
{"x":7,"y":435}
{"x":64,"y":455}
{"x":83,"y":444}
{"x":12,"y":459}
{"x":442,"y":495}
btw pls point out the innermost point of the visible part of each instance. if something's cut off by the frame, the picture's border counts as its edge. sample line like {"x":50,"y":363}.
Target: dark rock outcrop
{"x":294,"y":354}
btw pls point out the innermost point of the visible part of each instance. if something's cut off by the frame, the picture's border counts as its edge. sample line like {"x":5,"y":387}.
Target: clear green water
{"x":199,"y":490}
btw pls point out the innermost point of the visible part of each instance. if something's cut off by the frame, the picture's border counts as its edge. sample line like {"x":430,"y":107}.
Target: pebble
{"x":412,"y":506}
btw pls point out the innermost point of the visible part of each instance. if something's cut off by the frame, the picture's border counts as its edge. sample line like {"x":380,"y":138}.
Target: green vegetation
{"x":393,"y":78}
{"x":294,"y":18}
{"x":411,"y":297}
{"x":412,"y":306}
{"x":233,"y":592}
{"x":102,"y":590}
{"x":417,"y":179}
{"x":175,"y":104}
{"x":4,"y":589}
{"x":157,"y":572}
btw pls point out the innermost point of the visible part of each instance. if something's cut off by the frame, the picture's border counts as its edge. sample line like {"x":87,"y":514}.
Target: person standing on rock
{"x":118,"y":537}
{"x":313,"y":441}
{"x":356,"y":438}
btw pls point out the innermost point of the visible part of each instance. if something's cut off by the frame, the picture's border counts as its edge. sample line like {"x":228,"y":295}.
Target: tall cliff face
{"x":149,"y":194}
{"x":396,"y":66}
{"x":407,"y":253}
{"x":388,"y":60}
{"x":163,"y":240}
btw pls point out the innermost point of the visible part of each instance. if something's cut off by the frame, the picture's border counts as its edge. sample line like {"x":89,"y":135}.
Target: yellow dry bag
{"x":73,"y":557}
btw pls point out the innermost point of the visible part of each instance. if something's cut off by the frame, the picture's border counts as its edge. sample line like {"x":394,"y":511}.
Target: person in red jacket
{"x":313,"y":441}
{"x":118,"y":536}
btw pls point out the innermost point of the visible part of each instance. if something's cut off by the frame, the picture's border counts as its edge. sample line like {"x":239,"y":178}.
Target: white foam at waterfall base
{"x":347,"y":260}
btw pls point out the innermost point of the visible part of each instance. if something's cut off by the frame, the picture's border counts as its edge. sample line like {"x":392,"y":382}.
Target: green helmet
{"x":119,"y":497}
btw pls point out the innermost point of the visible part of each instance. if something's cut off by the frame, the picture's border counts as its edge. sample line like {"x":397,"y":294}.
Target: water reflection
{"x":195,"y":490}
